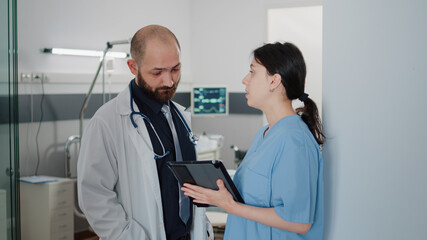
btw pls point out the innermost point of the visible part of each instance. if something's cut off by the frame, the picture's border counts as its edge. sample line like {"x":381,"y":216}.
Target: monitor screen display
{"x":209,"y":101}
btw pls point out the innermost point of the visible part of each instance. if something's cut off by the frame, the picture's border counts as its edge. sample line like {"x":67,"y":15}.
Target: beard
{"x":161,"y":94}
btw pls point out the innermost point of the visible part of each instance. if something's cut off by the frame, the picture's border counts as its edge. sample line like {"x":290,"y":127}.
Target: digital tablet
{"x":204,"y":174}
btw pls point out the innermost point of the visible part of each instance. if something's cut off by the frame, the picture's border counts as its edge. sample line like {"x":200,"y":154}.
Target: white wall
{"x":223,"y":35}
{"x":302,"y":26}
{"x":89,"y":25}
{"x":374,"y":85}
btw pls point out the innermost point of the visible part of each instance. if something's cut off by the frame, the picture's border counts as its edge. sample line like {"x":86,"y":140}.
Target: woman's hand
{"x":223,"y":199}
{"x":220,"y":198}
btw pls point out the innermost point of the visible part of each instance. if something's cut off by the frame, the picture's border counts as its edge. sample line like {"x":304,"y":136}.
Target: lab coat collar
{"x":123,"y":102}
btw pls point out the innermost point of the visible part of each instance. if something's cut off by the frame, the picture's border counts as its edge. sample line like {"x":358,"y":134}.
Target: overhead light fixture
{"x":86,"y":53}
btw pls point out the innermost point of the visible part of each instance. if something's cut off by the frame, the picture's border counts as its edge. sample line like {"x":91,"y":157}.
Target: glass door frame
{"x":13,"y":171}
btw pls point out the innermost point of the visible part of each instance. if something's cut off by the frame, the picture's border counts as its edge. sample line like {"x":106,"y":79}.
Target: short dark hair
{"x":140,"y":38}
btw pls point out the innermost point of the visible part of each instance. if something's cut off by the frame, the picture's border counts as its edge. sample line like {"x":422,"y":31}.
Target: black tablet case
{"x":204,"y":174}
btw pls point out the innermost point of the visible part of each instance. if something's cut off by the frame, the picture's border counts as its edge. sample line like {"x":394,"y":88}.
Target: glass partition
{"x":9,"y":163}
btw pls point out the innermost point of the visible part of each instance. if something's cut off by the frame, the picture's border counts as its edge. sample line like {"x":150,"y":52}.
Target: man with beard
{"x":125,"y":188}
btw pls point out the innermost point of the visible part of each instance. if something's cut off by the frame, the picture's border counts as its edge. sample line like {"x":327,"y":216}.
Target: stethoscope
{"x":193,"y":138}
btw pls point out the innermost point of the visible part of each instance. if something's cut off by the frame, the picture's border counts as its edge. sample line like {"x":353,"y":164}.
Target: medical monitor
{"x":209,"y":100}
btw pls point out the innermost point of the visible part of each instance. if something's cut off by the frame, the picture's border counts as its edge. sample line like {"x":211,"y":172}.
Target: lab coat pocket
{"x":255,"y":188}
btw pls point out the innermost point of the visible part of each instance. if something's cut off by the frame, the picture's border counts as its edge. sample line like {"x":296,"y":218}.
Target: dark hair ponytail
{"x":310,"y":115}
{"x":287,"y":60}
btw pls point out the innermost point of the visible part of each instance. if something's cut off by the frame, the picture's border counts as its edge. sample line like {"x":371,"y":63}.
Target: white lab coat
{"x":118,"y":187}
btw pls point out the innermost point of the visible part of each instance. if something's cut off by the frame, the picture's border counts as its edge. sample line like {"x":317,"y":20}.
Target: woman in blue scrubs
{"x":281,"y":176}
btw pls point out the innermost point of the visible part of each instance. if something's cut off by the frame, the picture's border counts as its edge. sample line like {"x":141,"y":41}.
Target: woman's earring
{"x":271,"y":90}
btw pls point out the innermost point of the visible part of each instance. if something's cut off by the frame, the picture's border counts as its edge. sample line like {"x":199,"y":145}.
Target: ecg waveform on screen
{"x":209,"y":101}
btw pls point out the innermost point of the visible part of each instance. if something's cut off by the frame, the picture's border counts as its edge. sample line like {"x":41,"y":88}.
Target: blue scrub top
{"x":284,"y":171}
